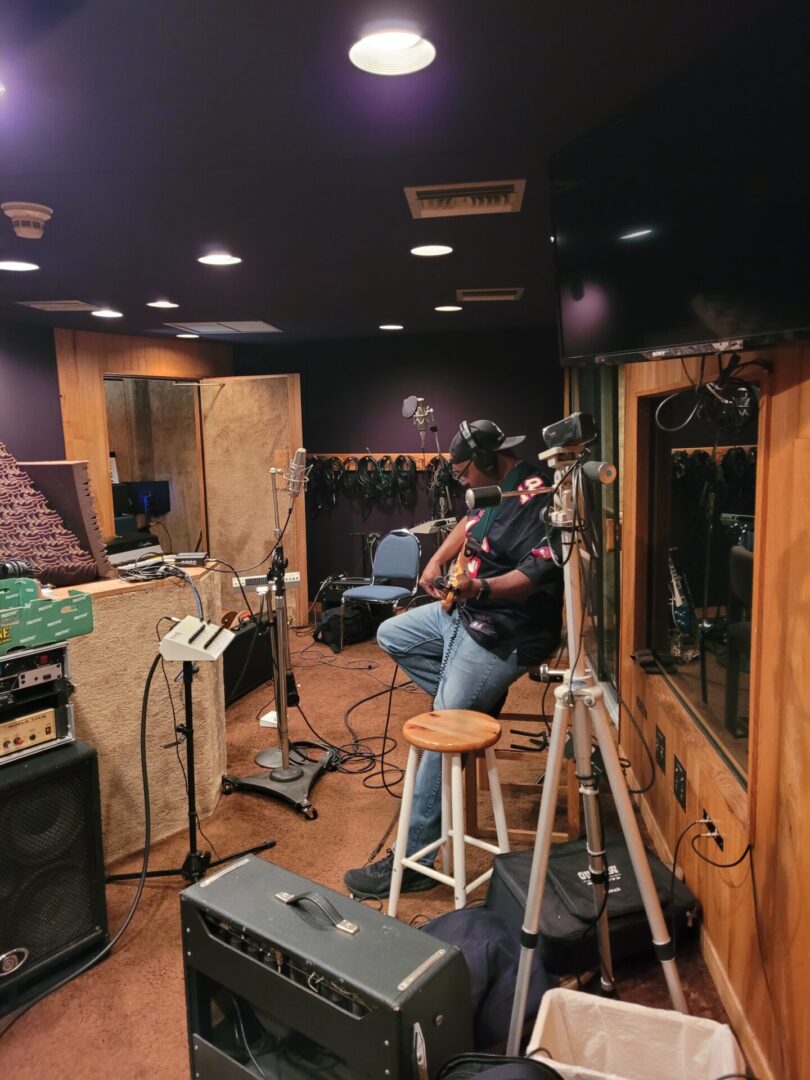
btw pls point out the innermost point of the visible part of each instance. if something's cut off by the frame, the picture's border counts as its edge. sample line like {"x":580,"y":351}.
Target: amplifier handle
{"x":324,"y":906}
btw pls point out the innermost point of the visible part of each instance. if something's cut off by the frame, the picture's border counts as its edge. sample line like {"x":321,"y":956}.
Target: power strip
{"x":291,"y":578}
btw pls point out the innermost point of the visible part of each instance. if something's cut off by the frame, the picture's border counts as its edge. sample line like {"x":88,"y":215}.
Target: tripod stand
{"x":287,"y":780}
{"x":196,"y":862}
{"x":579,"y":703}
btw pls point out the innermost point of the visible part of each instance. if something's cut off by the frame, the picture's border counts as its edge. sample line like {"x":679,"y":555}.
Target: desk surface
{"x":115,"y":586}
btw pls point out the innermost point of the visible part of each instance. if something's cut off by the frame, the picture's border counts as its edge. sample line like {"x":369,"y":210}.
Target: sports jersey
{"x":511,"y":537}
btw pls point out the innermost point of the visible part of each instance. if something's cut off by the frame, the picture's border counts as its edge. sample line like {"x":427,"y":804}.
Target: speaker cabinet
{"x":53,"y":912}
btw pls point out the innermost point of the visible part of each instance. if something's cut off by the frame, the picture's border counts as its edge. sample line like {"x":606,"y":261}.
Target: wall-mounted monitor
{"x":685,"y":223}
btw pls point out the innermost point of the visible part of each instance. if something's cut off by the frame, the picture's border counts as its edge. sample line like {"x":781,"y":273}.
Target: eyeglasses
{"x":458,"y":475}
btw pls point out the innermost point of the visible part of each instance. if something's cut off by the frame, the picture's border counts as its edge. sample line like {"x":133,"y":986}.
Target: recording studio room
{"x":404,"y":590}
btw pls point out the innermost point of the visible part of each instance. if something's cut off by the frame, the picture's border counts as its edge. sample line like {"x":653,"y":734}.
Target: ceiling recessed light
{"x":162,"y":304}
{"x":428,"y":250}
{"x":396,"y":51}
{"x":391,"y":326}
{"x":188,"y":335}
{"x":13,"y":264}
{"x":219,"y":258}
{"x":107,"y":313}
{"x":448,"y":307}
{"x":635,"y":235}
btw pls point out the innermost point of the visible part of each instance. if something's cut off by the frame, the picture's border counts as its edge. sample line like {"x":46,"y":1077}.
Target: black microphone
{"x":483,"y":496}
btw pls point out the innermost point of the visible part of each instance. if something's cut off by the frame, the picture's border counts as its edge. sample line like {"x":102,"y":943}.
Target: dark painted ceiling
{"x":157,"y":128}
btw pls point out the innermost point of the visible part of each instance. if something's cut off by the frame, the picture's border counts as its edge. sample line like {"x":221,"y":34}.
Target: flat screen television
{"x":683,"y":225}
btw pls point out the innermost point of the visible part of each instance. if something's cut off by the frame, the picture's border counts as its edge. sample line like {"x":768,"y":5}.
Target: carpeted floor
{"x":126,"y":1018}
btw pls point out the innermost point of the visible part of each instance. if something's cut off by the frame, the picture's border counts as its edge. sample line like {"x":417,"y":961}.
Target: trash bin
{"x":585,"y":1037}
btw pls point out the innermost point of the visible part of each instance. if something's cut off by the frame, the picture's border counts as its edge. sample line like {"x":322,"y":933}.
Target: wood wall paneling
{"x":83,"y":358}
{"x":250,"y":425}
{"x":775,"y":812}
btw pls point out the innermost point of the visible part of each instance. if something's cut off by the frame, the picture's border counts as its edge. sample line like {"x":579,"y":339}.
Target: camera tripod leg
{"x":662,"y":941}
{"x":537,"y":881}
{"x":595,"y":837}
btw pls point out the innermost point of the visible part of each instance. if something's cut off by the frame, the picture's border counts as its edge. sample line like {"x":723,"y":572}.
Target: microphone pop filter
{"x":409,"y":406}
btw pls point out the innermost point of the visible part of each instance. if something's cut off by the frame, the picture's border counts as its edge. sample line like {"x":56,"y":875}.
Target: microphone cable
{"x":386,"y":477}
{"x":368,"y":478}
{"x":405,"y":478}
{"x":349,"y":478}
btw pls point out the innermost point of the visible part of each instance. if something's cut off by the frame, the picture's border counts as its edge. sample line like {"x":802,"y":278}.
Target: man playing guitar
{"x":493,"y":621}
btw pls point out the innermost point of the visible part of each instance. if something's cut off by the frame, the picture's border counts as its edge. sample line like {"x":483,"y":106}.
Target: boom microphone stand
{"x":286,"y":779}
{"x":579,"y":703}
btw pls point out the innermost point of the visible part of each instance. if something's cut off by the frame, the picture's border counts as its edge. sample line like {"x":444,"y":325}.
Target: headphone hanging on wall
{"x":483,"y":457}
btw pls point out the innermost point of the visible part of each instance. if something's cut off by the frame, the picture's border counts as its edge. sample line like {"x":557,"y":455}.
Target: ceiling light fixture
{"x":188,"y":335}
{"x":429,"y":250}
{"x":219,"y":258}
{"x":162,"y":304}
{"x":13,"y":264}
{"x":391,"y":326}
{"x":635,"y":235}
{"x":107,"y":313}
{"x":395,"y":51}
{"x":448,"y":307}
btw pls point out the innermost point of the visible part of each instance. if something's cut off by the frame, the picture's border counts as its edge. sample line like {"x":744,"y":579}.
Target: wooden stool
{"x":450,"y":732}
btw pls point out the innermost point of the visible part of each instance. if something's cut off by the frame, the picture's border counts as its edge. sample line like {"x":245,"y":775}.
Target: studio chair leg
{"x":401,"y":846}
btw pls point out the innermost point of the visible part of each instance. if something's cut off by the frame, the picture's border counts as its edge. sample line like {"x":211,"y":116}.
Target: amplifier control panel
{"x":27,"y":731}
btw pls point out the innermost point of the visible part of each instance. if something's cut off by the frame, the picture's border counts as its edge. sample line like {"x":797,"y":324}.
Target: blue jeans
{"x":435,"y":650}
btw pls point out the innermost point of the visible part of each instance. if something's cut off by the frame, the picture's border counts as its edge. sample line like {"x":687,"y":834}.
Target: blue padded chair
{"x":397,"y":558}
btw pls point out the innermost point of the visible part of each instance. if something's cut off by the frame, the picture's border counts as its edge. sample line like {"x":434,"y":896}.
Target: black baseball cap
{"x":480,"y":435}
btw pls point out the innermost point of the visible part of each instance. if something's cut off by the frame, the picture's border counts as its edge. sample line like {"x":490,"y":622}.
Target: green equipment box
{"x":26,"y":621}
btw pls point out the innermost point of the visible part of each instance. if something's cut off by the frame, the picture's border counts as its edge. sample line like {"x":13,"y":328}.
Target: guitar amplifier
{"x":287,"y":978}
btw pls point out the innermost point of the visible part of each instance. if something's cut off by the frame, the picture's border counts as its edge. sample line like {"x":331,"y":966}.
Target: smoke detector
{"x":28,"y":219}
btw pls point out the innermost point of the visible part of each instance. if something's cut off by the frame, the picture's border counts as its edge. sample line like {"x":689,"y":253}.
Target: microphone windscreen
{"x":601,"y":472}
{"x":483,"y":496}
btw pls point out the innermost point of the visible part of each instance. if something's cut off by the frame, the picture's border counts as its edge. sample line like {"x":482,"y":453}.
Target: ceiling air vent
{"x":456,"y":200}
{"x":57,"y":305}
{"x":468,"y":295}
{"x":253,"y":326}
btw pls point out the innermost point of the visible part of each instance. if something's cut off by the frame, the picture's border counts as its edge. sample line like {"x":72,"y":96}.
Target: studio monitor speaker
{"x":53,"y":913}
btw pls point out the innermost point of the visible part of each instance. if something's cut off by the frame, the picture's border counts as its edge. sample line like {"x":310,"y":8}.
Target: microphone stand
{"x":286,"y":779}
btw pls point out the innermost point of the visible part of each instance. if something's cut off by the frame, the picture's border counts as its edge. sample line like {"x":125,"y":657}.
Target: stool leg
{"x":447,"y":815}
{"x":457,"y":818}
{"x":497,"y":800}
{"x":401,"y":847}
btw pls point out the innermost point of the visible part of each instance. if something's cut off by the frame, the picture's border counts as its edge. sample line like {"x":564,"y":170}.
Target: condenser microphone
{"x":476,"y":498}
{"x":298,"y":473}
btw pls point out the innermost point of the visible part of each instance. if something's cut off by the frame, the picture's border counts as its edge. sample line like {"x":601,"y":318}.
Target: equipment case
{"x":568,"y":943}
{"x":313,"y":983}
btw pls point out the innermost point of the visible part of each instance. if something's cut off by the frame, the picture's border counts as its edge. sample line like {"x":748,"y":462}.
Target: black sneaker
{"x":375,"y":879}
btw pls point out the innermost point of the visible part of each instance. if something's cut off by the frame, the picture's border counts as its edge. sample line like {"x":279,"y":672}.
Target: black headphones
{"x":483,"y":439}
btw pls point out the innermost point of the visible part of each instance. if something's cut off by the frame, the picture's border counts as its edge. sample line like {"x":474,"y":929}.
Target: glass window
{"x":701,"y":573}
{"x":595,"y":390}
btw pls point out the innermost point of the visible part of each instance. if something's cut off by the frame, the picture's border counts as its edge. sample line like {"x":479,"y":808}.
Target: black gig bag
{"x":568,"y":941}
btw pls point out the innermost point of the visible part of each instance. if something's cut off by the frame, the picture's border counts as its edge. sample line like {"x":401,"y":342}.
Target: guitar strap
{"x":513,"y":478}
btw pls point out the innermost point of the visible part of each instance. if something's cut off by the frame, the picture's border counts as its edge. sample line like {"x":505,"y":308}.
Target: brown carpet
{"x":126,"y":1018}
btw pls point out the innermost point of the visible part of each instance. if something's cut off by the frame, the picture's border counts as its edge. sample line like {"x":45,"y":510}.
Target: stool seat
{"x":452,"y":731}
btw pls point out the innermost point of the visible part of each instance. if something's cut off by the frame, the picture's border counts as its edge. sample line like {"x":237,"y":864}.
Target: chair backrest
{"x":741,"y":577}
{"x":397,"y":556}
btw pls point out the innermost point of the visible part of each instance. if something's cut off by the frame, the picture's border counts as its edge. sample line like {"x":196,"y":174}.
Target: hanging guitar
{"x":680,"y":600}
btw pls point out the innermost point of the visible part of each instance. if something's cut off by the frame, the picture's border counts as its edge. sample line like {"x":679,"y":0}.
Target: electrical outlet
{"x":660,"y":749}
{"x":712,"y":829}
{"x":679,"y":780}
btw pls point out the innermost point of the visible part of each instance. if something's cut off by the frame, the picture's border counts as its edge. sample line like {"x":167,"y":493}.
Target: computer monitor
{"x":150,"y":497}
